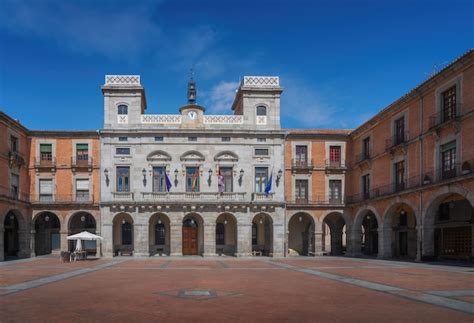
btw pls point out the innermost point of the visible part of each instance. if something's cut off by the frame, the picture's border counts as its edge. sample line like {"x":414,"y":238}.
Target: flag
{"x":195,"y":180}
{"x":268,"y":187}
{"x":220,"y":182}
{"x":168,"y":182}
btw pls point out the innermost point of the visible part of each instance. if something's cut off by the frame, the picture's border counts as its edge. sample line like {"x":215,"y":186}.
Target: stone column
{"x":354,"y":236}
{"x":336,"y":241}
{"x":24,"y":243}
{"x":209,"y":239}
{"x":244,"y":240}
{"x":428,"y":241}
{"x":278,"y":240}
{"x":176,"y":238}
{"x":33,"y":243}
{"x":318,"y":242}
{"x":2,"y":246}
{"x":385,"y":243}
{"x":140,"y":239}
{"x":108,"y":242}
{"x":63,"y":239}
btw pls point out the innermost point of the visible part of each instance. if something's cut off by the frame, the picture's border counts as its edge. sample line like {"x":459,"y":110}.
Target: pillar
{"x":428,"y":241}
{"x":385,"y":242}
{"x":244,"y":240}
{"x":355,"y":242}
{"x":318,"y":242}
{"x":140,"y":239}
{"x":2,"y":244}
{"x":108,"y":241}
{"x":209,"y":239}
{"x":32,"y":243}
{"x":176,"y":238}
{"x":336,"y":241}
{"x":63,"y":239}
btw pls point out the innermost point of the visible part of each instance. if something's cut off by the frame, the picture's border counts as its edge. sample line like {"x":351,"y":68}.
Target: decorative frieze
{"x":223,"y":119}
{"x":161,"y":119}
{"x":122,"y":80}
{"x":261,"y":81}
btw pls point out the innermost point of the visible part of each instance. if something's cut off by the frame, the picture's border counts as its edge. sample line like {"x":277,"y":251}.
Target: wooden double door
{"x":190,"y":241}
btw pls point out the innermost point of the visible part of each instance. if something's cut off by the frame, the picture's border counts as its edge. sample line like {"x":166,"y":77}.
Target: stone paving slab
{"x":218,"y":290}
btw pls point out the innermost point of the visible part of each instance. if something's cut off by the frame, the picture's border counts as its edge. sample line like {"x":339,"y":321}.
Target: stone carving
{"x":122,"y":79}
{"x":122,"y":118}
{"x":161,"y":118}
{"x":261,"y":81}
{"x":223,"y":119}
{"x":261,"y":120}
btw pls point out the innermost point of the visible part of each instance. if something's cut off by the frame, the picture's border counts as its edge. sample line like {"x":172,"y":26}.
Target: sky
{"x":339,"y":62}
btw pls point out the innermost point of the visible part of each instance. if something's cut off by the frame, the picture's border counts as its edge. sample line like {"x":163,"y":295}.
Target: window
{"x":335,"y":191}
{"x":366,"y":148}
{"x":123,"y":139}
{"x":261,"y":178}
{"x":159,"y":179}
{"x":261,"y":152}
{"x":225,"y":184}
{"x":261,"y":110}
{"x":46,"y":152}
{"x":82,"y":189}
{"x":261,"y":139}
{"x":46,"y":190}
{"x":160,"y":234}
{"x":122,"y":151}
{"x":399,"y":172}
{"x":443,"y":211}
{"x":13,"y":144}
{"x":192,"y":139}
{"x":220,"y":234}
{"x":403,"y":220}
{"x":448,"y":160}
{"x":15,"y":185}
{"x":449,"y":104}
{"x":301,"y":155}
{"x":126,"y":233}
{"x":123,"y":179}
{"x":254,"y":234}
{"x":192,"y":179}
{"x":335,"y":155}
{"x":366,"y":186}
{"x":225,"y":139}
{"x":122,"y":109}
{"x":399,"y":131}
{"x":82,"y":152}
{"x":301,"y":190}
{"x":159,"y":138}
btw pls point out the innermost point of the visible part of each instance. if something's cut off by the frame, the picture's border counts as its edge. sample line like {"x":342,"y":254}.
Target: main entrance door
{"x":190,"y":241}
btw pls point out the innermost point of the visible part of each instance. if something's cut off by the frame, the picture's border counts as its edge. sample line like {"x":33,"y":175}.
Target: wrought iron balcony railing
{"x":298,"y":164}
{"x":445,"y":116}
{"x":396,"y":140}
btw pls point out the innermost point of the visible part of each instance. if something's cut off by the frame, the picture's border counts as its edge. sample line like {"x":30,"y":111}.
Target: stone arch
{"x":123,"y":234}
{"x":158,"y":155}
{"x":226,"y":234}
{"x":13,"y":225}
{"x":262,"y":234}
{"x":335,"y":241}
{"x":366,"y":232}
{"x":193,"y":234}
{"x":47,"y":228}
{"x":400,"y":229}
{"x":192,"y":155}
{"x":435,"y":239}
{"x":226,"y":156}
{"x":79,"y":221}
{"x":159,"y":233}
{"x":301,"y":229}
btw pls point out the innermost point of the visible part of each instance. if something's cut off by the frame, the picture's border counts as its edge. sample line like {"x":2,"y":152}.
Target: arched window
{"x":220,"y":234}
{"x":122,"y":109}
{"x":126,"y":233}
{"x":254,"y":234}
{"x":261,"y":110}
{"x":160,"y":234}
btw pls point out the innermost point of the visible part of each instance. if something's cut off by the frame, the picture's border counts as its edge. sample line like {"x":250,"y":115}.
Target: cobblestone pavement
{"x":230,"y":289}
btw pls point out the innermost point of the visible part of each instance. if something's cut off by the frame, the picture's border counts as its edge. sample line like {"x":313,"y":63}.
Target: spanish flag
{"x":194,"y":186}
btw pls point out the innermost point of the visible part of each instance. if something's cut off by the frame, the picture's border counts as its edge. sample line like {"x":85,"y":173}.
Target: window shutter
{"x":448,"y":146}
{"x":82,"y":147}
{"x":46,"y":148}
{"x":82,"y":185}
{"x":46,"y":186}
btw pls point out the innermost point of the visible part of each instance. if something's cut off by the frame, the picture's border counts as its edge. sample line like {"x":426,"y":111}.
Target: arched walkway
{"x":447,"y":228}
{"x":123,"y":234}
{"x":83,"y":221}
{"x":400,"y":236}
{"x":159,"y":233}
{"x":301,"y":229}
{"x":11,"y":235}
{"x":366,"y":232}
{"x":47,"y":233}
{"x":193,"y":235}
{"x":226,"y":234}
{"x":262,"y":234}
{"x":336,"y":224}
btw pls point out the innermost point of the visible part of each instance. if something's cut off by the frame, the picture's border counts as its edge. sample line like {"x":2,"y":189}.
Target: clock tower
{"x":192,"y":91}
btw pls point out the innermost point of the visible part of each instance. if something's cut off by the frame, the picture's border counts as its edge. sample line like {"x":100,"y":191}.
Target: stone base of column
{"x":243,"y":254}
{"x":278,"y":255}
{"x":176,"y":254}
{"x":141,"y":254}
{"x":209,"y":254}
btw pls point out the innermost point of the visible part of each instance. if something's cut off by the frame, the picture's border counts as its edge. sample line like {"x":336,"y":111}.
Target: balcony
{"x":448,"y":173}
{"x":194,"y":196}
{"x":335,"y":165}
{"x":301,"y":165}
{"x":62,"y":199}
{"x":315,"y":201}
{"x":123,"y":196}
{"x":262,"y":197}
{"x":82,"y":163}
{"x":48,"y":164}
{"x":396,"y":141}
{"x":15,"y":159}
{"x":445,"y":117}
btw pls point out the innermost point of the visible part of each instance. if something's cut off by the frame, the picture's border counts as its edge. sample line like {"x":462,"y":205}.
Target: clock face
{"x":192,"y":114}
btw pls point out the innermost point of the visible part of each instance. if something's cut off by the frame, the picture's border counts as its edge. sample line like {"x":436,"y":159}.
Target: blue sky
{"x":338,"y":61}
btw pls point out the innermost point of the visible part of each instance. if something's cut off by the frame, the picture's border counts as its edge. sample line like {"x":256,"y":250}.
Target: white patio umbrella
{"x":84,"y":235}
{"x":78,"y":245}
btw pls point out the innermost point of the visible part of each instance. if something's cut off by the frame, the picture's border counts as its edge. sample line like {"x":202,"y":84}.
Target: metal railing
{"x":362,"y":157}
{"x":301,"y":164}
{"x":82,"y":161}
{"x":46,"y":163}
{"x":445,"y":116}
{"x":316,"y":200}
{"x":397,"y":139}
{"x":201,"y":196}
{"x":335,"y":164}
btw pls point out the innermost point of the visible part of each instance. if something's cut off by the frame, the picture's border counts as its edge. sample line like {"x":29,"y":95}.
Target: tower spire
{"x":192,"y":90}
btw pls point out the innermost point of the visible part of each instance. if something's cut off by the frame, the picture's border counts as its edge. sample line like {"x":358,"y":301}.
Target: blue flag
{"x":168,"y":182}
{"x":268,"y":187}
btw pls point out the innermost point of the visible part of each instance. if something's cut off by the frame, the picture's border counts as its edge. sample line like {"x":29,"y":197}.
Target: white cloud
{"x":220,"y":98}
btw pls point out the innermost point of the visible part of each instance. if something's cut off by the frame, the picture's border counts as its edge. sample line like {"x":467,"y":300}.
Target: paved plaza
{"x":230,"y":289}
